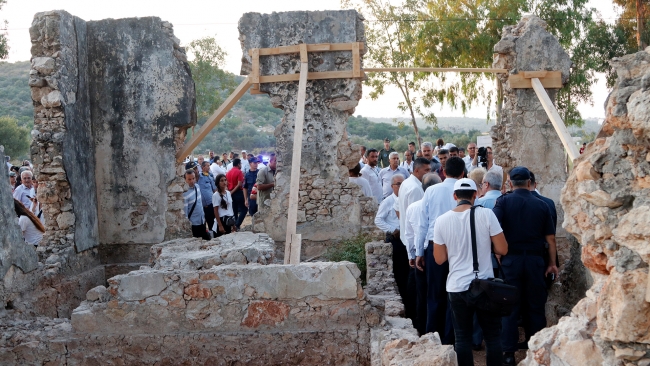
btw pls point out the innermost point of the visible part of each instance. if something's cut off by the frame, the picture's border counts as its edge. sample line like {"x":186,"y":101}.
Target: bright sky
{"x":194,"y":19}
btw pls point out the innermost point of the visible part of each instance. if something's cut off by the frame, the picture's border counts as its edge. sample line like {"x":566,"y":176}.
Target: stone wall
{"x":525,"y":136}
{"x":330,"y":208}
{"x":607,"y":206}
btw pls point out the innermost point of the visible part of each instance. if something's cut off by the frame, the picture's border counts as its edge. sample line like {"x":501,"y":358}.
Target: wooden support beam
{"x":255,"y":69}
{"x":293,"y":241}
{"x":213,"y":120}
{"x":555,"y":118}
{"x":435,"y":69}
{"x":304,"y":57}
{"x":310,"y":76}
{"x":550,"y":80}
{"x":356,"y":61}
{"x":318,"y":47}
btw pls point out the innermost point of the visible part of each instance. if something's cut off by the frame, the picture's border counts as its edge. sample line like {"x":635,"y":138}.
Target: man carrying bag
{"x":452,"y":239}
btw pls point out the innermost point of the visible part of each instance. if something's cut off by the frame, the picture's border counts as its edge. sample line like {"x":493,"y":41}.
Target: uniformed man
{"x":384,"y":154}
{"x":527,"y":225}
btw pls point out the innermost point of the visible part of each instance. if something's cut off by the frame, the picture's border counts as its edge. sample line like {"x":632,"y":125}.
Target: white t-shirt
{"x":216,"y":202}
{"x":453,"y":230}
{"x":215,"y":169}
{"x":32,"y":235}
{"x":363,"y":183}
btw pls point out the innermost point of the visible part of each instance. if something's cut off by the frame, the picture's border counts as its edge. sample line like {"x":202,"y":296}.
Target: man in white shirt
{"x":417,"y":278}
{"x":411,"y":190}
{"x":356,"y":178}
{"x":388,"y":172}
{"x":408,"y":161}
{"x":387,"y":221}
{"x":25,"y":192}
{"x":453,"y":245}
{"x":215,"y":169}
{"x":244,"y":162}
{"x":471,"y":150}
{"x":436,"y":201}
{"x":371,"y":173}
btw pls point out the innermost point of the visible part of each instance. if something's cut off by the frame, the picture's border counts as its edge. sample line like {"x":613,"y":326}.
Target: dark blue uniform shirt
{"x":551,"y":206}
{"x":525,"y":220}
{"x":249,"y":180}
{"x":207,"y":186}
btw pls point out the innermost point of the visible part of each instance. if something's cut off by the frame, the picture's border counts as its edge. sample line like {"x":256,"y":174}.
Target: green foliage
{"x":4,"y":46}
{"x":212,"y":83}
{"x":351,"y":250}
{"x":14,"y":138}
{"x":15,"y":94}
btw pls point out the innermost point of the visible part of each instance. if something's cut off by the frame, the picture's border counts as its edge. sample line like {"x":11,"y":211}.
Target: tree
{"x":4,"y":46}
{"x":14,"y":138}
{"x":390,"y":40}
{"x":212,"y":83}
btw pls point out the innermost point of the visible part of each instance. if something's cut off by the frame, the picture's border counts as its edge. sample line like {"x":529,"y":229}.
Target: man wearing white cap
{"x":453,"y":243}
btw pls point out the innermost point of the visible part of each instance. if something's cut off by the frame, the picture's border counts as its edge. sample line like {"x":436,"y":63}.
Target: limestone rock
{"x":98,"y":293}
{"x":44,"y":65}
{"x":141,"y":286}
{"x":426,"y":351}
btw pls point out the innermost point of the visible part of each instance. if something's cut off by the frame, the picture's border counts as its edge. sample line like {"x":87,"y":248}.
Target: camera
{"x":482,"y":157}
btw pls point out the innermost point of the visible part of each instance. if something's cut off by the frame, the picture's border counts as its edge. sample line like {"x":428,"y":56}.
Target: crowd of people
{"x":223,"y":190}
{"x":29,"y":212}
{"x":424,"y":210}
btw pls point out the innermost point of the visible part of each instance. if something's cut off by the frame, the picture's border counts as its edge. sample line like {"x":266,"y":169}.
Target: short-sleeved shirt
{"x":453,"y":230}
{"x":216,"y":202}
{"x":32,"y":235}
{"x":386,"y":176}
{"x":386,"y":218}
{"x":207,"y":187}
{"x":233,"y":177}
{"x":21,"y":192}
{"x":525,"y":219}
{"x":250,"y":179}
{"x":384,"y":157}
{"x":264,"y":176}
{"x":363,"y":183}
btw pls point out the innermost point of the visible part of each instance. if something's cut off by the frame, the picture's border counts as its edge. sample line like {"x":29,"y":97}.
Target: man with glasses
{"x":471,"y":150}
{"x":391,"y":170}
{"x":386,"y":220}
{"x":491,"y":166}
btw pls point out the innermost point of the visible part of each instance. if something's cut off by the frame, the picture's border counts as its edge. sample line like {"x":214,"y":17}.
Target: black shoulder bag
{"x":196,"y":196}
{"x":494,"y":294}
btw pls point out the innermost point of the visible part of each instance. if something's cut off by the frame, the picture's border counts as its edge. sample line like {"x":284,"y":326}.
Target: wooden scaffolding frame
{"x":536,"y":80}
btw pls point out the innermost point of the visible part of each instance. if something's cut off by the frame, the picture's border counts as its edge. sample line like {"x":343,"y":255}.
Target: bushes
{"x":351,"y":250}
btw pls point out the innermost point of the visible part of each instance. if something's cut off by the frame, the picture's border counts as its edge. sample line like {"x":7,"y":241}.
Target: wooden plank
{"x":310,"y":76}
{"x":555,"y":118}
{"x":213,"y":120}
{"x":257,"y":92}
{"x":255,"y":71}
{"x":356,"y":61}
{"x":317,"y":47}
{"x":292,"y":243}
{"x":296,"y":248}
{"x":304,"y":57}
{"x":435,"y":69}
{"x":552,"y":80}
{"x":534,"y":74}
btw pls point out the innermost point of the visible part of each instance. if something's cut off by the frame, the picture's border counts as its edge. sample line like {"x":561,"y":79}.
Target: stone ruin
{"x":117,"y":281}
{"x":330,"y":208}
{"x":527,"y":46}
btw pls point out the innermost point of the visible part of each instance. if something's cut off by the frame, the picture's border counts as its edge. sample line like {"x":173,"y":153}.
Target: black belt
{"x":537,"y":252}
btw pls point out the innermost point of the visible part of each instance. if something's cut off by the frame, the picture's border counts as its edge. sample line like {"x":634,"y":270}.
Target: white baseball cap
{"x":465,"y":184}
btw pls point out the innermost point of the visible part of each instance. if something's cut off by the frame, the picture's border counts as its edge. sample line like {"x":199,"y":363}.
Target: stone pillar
{"x":525,"y":136}
{"x":62,"y":149}
{"x":330,"y":208}
{"x":112,"y":102}
{"x":142,"y":102}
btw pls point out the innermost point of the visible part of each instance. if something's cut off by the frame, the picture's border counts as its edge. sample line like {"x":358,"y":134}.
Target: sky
{"x":193,"y":19}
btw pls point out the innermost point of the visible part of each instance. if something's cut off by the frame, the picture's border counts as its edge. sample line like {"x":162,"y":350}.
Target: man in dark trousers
{"x":235,"y":178}
{"x":527,"y":224}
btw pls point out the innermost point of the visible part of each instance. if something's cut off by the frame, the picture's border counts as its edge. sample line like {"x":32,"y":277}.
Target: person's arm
{"x":552,"y":252}
{"x":500,"y":244}
{"x":261,"y":186}
{"x":440,"y":253}
{"x":216,"y":217}
{"x":421,"y":235}
{"x":245,"y":196}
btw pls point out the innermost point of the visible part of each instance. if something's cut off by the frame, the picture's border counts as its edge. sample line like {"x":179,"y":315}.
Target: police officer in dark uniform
{"x":384,"y":154}
{"x":549,"y":202}
{"x":527,"y":224}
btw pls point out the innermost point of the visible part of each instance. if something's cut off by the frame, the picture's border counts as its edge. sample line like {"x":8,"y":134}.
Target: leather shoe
{"x":508,"y":359}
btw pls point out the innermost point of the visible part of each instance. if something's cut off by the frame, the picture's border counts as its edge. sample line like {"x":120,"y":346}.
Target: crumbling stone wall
{"x":607,"y":206}
{"x":525,"y":136}
{"x":330,"y":208}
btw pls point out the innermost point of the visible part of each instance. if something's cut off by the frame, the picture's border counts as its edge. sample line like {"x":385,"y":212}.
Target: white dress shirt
{"x":386,"y":218}
{"x":386,"y":176}
{"x":363,"y":183}
{"x":413,"y":214}
{"x":408,"y":166}
{"x":410,"y":191}
{"x":372,"y":176}
{"x":215,"y":169}
{"x":437,"y":200}
{"x":468,"y":163}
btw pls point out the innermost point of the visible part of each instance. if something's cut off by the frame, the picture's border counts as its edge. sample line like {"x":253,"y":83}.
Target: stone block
{"x":140,"y":286}
{"x":44,"y":65}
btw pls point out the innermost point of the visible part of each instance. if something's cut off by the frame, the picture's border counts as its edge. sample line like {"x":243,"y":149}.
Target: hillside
{"x":15,"y":97}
